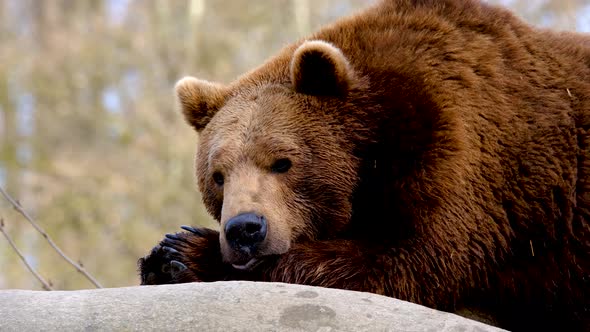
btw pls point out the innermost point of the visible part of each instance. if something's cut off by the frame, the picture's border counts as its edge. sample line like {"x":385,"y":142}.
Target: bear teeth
{"x":248,"y":266}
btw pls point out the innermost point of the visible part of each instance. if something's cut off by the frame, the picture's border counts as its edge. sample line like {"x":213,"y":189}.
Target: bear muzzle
{"x":244,"y":234}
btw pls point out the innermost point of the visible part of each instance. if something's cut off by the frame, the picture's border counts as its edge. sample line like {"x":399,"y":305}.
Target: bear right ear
{"x":319,"y":68}
{"x":199,"y":100}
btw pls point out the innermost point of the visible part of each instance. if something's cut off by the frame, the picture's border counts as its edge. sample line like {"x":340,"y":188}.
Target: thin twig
{"x":20,"y":210}
{"x":44,"y":283}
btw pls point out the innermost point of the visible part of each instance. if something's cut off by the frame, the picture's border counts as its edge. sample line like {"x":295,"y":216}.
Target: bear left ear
{"x":319,"y":68}
{"x":199,"y":100}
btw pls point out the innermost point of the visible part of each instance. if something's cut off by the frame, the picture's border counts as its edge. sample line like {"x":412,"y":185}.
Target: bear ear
{"x":199,"y":100}
{"x":319,"y":68}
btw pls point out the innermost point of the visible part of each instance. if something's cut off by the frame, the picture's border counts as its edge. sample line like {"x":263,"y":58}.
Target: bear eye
{"x":281,"y":166}
{"x":218,"y":178}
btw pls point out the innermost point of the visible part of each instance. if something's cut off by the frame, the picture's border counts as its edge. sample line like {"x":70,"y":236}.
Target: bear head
{"x":275,"y":161}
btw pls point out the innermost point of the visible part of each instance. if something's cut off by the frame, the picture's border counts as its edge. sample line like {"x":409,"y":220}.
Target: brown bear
{"x":436,"y":151}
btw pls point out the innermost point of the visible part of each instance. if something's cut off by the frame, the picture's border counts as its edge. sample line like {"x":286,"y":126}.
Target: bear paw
{"x":184,"y":257}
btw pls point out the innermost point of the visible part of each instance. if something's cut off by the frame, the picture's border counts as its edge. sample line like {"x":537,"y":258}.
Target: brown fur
{"x":440,"y":153}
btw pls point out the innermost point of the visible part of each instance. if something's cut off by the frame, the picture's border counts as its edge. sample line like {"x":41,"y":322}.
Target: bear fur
{"x":436,"y":151}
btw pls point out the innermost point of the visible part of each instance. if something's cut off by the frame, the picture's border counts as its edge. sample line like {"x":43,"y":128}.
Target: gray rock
{"x":220,"y":306}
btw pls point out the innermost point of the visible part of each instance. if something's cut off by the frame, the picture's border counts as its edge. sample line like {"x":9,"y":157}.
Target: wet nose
{"x":245,"y":232}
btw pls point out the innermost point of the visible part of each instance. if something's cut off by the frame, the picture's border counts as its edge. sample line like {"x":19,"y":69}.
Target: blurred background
{"x":90,"y":143}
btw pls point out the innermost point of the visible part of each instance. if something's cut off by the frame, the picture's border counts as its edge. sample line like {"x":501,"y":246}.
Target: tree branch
{"x":44,"y":283}
{"x":20,"y":210}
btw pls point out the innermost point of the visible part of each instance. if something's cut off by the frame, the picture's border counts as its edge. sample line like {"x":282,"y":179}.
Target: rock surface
{"x":220,"y":306}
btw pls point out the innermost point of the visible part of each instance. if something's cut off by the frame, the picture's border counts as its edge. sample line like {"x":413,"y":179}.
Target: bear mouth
{"x":249,"y":265}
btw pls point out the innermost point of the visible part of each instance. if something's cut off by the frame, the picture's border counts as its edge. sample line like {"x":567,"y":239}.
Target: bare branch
{"x":44,"y":283}
{"x":20,"y":210}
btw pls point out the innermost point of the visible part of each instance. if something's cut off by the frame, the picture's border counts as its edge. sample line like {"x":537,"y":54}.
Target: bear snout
{"x":245,"y":232}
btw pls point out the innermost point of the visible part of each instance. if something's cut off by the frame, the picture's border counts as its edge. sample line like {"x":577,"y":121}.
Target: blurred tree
{"x":90,"y":142}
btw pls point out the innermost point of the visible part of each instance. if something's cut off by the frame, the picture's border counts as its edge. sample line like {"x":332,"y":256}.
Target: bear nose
{"x":245,"y":231}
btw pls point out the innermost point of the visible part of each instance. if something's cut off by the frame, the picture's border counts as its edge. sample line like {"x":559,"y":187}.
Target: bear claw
{"x":173,"y":267}
{"x":192,"y":230}
{"x":176,"y":267}
{"x":170,"y":250}
{"x":173,"y":240}
{"x":172,"y":236}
